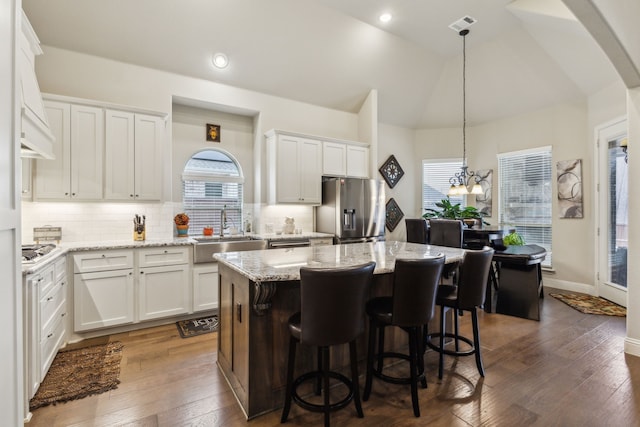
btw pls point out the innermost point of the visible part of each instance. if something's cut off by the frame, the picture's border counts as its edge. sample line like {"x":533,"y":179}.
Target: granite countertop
{"x":125,"y":244}
{"x":284,"y":264}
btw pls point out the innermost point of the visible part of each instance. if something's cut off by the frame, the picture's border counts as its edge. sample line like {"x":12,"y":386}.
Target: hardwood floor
{"x":569,"y":369}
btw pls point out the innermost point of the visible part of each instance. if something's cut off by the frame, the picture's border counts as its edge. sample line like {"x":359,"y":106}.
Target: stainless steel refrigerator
{"x":352,"y":209}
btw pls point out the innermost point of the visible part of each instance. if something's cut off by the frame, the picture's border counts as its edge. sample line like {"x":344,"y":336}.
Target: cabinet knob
{"x":66,"y":194}
{"x":104,"y":256}
{"x":166,"y":252}
{"x":137,"y":196}
{"x":49,"y":299}
{"x":73,"y":194}
{"x":49,"y":336}
{"x":142,"y":272}
{"x":63,"y":314}
{"x":130,"y":195}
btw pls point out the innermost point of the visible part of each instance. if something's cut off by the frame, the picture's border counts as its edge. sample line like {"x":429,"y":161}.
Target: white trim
{"x":102,"y":104}
{"x":632,"y":346}
{"x":566,"y":285}
{"x":212,"y":178}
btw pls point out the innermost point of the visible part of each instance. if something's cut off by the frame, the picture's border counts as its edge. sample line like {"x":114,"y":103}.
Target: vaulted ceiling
{"x":522,"y":55}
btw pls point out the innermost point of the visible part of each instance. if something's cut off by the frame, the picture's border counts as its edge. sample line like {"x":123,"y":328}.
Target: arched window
{"x":211,"y":181}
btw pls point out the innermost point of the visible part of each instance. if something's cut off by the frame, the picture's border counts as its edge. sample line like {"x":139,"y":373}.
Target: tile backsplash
{"x":90,"y":222}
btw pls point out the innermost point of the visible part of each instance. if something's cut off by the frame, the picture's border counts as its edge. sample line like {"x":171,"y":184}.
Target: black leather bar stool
{"x":331,"y":313}
{"x":410,"y":307}
{"x":417,"y":230}
{"x":446,"y":232}
{"x":468,"y":295}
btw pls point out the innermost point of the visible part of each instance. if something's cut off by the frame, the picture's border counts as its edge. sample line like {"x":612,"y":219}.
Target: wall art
{"x":213,"y":133}
{"x":391,"y":171}
{"x":484,"y":201}
{"x":394,"y":214}
{"x":570,"y":188}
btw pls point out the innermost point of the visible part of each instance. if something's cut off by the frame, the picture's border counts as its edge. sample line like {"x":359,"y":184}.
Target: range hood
{"x":36,"y":138}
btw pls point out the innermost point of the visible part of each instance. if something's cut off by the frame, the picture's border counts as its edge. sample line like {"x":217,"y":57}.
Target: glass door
{"x":613,"y":212}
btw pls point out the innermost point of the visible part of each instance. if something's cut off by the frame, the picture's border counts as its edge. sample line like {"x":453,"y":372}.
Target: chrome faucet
{"x":223,"y":220}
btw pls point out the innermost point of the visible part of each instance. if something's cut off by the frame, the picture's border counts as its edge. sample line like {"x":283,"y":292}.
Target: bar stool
{"x":417,"y":230}
{"x":446,"y":232}
{"x":467,"y":296}
{"x":331,"y":313}
{"x":411,"y":307}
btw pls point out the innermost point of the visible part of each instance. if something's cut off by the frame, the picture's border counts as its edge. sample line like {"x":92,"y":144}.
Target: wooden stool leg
{"x":380,"y":346}
{"x":325,"y":375}
{"x":476,"y":341}
{"x":413,"y":368}
{"x":354,"y":378}
{"x":290,"y":365}
{"x":420,"y":355}
{"x":370,"y":357}
{"x":442,"y":330}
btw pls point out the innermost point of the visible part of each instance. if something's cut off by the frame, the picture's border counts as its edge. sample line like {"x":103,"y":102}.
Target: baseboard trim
{"x":565,"y":285}
{"x":632,"y":346}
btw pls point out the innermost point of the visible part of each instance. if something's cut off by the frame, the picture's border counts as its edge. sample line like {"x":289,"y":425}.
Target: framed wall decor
{"x":393,"y":214}
{"x":391,"y":171}
{"x":213,"y":133}
{"x":570,"y":188}
{"x":484,"y":200}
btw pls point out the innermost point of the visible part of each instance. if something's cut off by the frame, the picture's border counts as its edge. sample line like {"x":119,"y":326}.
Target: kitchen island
{"x":259,"y":290}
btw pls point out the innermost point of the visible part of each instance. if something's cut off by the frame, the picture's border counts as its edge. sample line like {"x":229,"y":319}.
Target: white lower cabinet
{"x":163,"y":291}
{"x":205,"y":287}
{"x":119,"y":287}
{"x":45,"y":314}
{"x":102,"y":299}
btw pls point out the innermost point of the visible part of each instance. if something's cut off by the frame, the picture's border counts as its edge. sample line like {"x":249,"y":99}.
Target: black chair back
{"x":445,"y":232}
{"x":417,"y":230}
{"x":474,"y":274}
{"x":415,"y":282}
{"x":333,"y":303}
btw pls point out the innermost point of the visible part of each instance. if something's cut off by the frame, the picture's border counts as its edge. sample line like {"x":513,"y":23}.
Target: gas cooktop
{"x":36,"y":252}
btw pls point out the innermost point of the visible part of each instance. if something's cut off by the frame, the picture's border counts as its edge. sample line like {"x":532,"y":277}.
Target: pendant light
{"x":461,"y":181}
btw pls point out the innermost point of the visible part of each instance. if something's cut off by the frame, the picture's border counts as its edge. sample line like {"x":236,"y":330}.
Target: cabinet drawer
{"x":47,"y":279}
{"x":50,"y":342}
{"x":102,"y":261}
{"x":321,"y":241}
{"x":170,"y":255}
{"x":50,"y":304}
{"x":60,"y":267}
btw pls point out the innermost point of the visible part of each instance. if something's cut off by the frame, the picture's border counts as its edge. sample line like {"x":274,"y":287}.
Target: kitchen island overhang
{"x":258,"y":292}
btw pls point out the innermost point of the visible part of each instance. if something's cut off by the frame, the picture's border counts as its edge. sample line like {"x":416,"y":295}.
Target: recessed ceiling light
{"x":385,"y":17}
{"x":220,"y":60}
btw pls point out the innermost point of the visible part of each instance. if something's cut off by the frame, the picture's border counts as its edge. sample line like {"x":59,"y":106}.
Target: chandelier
{"x":461,"y":181}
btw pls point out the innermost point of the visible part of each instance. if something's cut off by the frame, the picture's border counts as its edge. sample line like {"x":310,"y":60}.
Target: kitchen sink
{"x":206,"y":247}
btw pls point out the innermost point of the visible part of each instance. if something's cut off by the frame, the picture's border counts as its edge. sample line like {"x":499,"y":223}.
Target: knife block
{"x":139,"y":236}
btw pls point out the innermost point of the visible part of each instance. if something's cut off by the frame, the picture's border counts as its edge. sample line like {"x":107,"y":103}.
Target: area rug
{"x":193,"y":327}
{"x":591,"y":305}
{"x":79,"y":373}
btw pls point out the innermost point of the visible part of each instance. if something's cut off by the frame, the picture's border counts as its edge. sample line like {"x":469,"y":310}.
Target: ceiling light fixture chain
{"x":461,"y":180}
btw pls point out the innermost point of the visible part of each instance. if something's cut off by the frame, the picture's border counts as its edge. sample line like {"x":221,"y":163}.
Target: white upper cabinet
{"x":101,"y":153}
{"x":133,"y":156}
{"x":357,"y":161}
{"x":76,"y":171}
{"x":334,"y":159}
{"x":345,"y":159}
{"x":294,"y":169}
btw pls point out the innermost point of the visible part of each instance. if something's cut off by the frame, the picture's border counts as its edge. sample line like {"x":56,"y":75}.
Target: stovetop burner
{"x":31,"y":253}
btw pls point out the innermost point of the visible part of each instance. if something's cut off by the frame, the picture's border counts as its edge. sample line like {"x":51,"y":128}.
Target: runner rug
{"x":591,"y":305}
{"x":193,"y":327}
{"x":78,"y":373}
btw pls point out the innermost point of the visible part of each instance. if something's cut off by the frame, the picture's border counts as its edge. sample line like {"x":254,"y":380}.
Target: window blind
{"x":525,"y":195}
{"x":203,"y":201}
{"x":435,"y":182}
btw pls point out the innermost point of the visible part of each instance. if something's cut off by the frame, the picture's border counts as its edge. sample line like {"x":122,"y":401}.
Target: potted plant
{"x":469,"y":214}
{"x":182,"y":224}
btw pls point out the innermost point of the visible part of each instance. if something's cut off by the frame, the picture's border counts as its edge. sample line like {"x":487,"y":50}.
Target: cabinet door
{"x":163,"y":291}
{"x":310,"y":161}
{"x":103,"y":299}
{"x":287,"y":170}
{"x":87,"y":145}
{"x":119,"y":155}
{"x":27,"y":194}
{"x":52,"y":177}
{"x":334,"y":159}
{"x":205,"y":287}
{"x":357,"y":161}
{"x":148,"y":157}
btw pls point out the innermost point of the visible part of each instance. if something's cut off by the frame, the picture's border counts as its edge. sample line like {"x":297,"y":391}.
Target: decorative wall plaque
{"x":394,"y":214}
{"x":213,"y":133}
{"x":391,"y":171}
